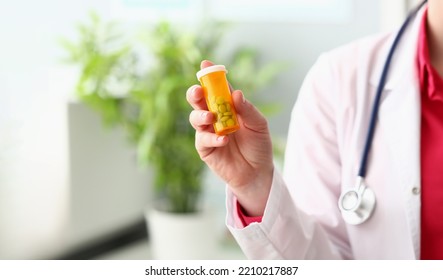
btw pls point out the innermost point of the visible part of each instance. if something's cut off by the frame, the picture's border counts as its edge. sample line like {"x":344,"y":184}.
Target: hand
{"x":242,"y":159}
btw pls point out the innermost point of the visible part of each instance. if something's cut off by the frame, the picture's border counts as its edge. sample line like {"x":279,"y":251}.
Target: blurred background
{"x":77,"y":176}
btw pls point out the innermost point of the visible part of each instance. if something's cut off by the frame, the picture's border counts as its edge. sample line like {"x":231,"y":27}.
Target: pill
{"x":230,"y":122}
{"x":225,"y":118}
{"x":223,"y":112}
{"x":219,"y":126}
{"x":220,"y":100}
{"x":222,"y":108}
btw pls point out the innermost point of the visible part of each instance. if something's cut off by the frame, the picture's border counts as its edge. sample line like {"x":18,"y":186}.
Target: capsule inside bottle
{"x":218,"y":98}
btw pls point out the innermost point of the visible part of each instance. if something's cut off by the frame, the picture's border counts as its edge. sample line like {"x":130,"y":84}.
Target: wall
{"x":300,"y":44}
{"x":58,"y":186}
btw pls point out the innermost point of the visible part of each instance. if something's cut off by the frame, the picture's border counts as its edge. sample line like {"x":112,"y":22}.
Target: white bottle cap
{"x":211,"y":69}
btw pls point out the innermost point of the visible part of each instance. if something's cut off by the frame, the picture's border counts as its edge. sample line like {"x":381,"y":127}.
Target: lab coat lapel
{"x":399,"y":119}
{"x":400,"y":122}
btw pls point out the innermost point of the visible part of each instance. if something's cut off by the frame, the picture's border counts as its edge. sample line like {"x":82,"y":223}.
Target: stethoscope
{"x":357,"y":204}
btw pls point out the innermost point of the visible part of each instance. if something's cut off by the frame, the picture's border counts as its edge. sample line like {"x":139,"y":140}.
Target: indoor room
{"x":103,"y":155}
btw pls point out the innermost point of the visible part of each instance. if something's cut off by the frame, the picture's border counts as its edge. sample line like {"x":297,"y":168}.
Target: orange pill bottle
{"x":218,"y":98}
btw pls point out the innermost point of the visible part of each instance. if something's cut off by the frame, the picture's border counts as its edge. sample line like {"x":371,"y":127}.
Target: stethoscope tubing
{"x":373,"y":120}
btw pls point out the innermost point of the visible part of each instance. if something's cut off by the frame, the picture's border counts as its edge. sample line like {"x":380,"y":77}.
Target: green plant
{"x":149,"y":103}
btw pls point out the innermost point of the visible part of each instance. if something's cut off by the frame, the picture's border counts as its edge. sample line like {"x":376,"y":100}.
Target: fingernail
{"x":220,"y":138}
{"x":204,"y":115}
{"x":243,"y":97}
{"x":231,"y":89}
{"x":192,"y":89}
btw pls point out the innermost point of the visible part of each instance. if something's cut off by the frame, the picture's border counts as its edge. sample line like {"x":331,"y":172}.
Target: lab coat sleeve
{"x":301,"y":218}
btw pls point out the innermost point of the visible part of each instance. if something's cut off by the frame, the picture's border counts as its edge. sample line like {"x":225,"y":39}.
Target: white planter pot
{"x":182,"y":236}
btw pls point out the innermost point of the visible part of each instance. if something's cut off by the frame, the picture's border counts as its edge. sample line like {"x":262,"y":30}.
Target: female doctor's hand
{"x":242,"y":159}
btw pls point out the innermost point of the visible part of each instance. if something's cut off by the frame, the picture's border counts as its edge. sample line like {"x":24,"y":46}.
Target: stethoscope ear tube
{"x":357,"y":204}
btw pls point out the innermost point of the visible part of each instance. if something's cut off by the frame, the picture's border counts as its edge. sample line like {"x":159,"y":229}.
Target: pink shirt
{"x":431,"y":88}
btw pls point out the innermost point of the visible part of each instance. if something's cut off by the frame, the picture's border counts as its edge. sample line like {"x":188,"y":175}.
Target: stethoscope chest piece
{"x":357,"y":204}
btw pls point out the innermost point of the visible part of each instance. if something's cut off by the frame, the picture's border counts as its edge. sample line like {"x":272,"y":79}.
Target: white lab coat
{"x":325,"y":142}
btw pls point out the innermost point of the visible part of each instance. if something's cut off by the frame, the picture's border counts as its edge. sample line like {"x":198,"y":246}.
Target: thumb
{"x":250,"y":117}
{"x":206,"y":63}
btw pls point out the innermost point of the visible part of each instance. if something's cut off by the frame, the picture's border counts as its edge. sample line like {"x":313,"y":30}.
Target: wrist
{"x":254,"y":195}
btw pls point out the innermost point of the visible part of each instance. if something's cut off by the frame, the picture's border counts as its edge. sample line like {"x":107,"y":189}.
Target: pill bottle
{"x":218,"y":98}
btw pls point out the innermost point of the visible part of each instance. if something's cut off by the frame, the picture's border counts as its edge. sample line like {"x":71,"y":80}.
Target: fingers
{"x":250,"y":115}
{"x":206,"y":63}
{"x":195,"y":98}
{"x":195,"y":95}
{"x":206,"y":141}
{"x":201,"y":119}
{"x":205,"y":138}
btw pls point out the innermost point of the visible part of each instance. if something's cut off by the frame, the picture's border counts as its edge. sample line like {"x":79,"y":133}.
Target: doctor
{"x":297,"y":216}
